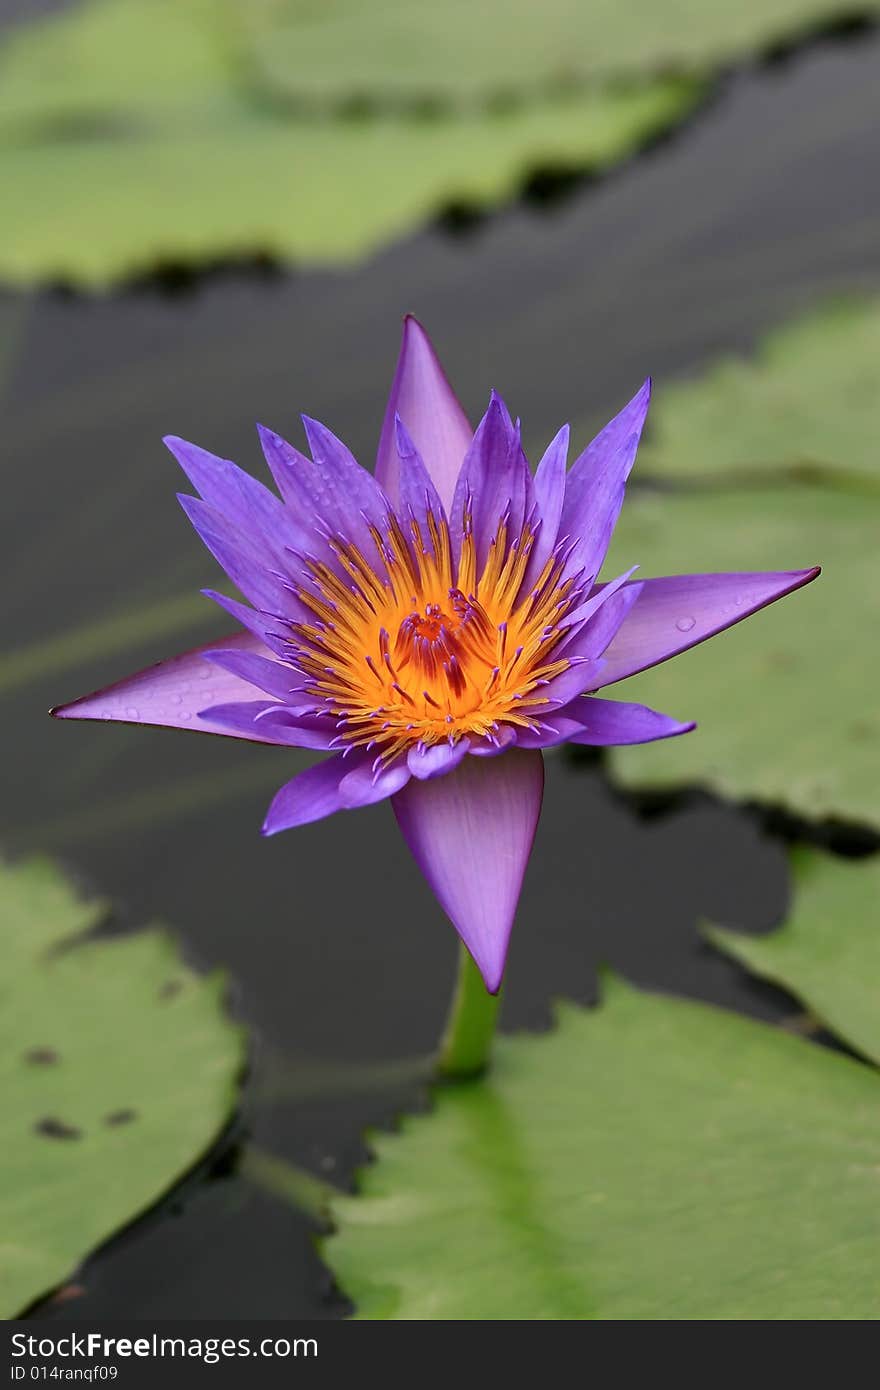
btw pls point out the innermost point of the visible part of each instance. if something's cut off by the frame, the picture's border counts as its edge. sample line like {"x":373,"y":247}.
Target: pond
{"x":757,"y":209}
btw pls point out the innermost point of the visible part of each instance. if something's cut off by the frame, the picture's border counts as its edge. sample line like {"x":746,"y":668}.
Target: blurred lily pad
{"x":338,"y":50}
{"x":828,"y":951}
{"x":118,"y":1068}
{"x":783,"y":701}
{"x":809,"y":400}
{"x":112,"y":64}
{"x":138,"y":131}
{"x":97,"y":209}
{"x":651,"y":1159}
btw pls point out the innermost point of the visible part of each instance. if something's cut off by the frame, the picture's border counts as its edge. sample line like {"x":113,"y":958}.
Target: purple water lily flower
{"x":431,"y":627}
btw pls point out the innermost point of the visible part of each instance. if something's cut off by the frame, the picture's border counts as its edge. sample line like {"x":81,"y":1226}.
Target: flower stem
{"x":470,"y":1026}
{"x":308,"y":1194}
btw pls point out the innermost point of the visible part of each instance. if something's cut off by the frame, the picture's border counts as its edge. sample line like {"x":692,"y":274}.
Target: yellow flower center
{"x":419,"y":649}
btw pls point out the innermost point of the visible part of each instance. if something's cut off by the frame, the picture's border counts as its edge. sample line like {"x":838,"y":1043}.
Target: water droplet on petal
{"x":177,"y":699}
{"x":685,"y":624}
{"x":186,"y":716}
{"x":205,"y":673}
{"x":131,"y":713}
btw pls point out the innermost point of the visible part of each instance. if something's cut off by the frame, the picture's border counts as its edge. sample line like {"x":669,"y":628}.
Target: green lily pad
{"x":809,"y":400}
{"x":96,"y":209}
{"x":118,"y":1069}
{"x":415,"y":49}
{"x":107,"y":64}
{"x":137,"y":131}
{"x":783,"y":701}
{"x":828,"y":951}
{"x":652,"y":1159}
{"x":134,"y":132}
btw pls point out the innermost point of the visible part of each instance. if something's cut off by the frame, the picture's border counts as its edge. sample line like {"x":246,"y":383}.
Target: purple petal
{"x":251,"y":568}
{"x":523,"y":505}
{"x":576,"y":621}
{"x":590,"y":639}
{"x":418,"y":494}
{"x":172,"y":693}
{"x":363,"y":786}
{"x":471,"y":833}
{"x":595,"y":485}
{"x":272,"y":677}
{"x":675,"y":613}
{"x":426,"y":403}
{"x":331,"y":489}
{"x":246,"y":719}
{"x":308,"y":797}
{"x":492,"y":747}
{"x":264,"y":627}
{"x":338,"y":784}
{"x":549,"y":496}
{"x":492,"y":482}
{"x":584,"y":674}
{"x":345,"y":495}
{"x":244,"y":501}
{"x":287,"y":466}
{"x":437,"y":759}
{"x":605,"y":723}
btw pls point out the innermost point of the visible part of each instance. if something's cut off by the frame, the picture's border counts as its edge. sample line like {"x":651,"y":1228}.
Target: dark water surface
{"x":757,"y":210}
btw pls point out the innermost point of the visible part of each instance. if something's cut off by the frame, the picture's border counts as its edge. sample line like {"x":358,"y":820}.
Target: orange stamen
{"x":428,"y":650}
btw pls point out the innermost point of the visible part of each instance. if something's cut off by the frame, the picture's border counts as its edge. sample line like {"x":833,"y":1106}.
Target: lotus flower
{"x":432,"y":627}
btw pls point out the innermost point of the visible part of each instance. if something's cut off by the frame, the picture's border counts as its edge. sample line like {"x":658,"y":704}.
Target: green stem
{"x":301,"y":1189}
{"x":470,"y":1026}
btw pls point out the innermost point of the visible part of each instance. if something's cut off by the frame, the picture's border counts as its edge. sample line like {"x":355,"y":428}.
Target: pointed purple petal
{"x":549,"y":496}
{"x":340,"y":783}
{"x":172,"y":693}
{"x":286,"y":464}
{"x":606,"y":723}
{"x":272,"y":677}
{"x":590,"y":639}
{"x":363,"y":786}
{"x":346,"y":496}
{"x":437,"y":759}
{"x":331,"y":490}
{"x":585,"y":674}
{"x":492,"y":747}
{"x":493,"y":477}
{"x":523,"y":505}
{"x":471,"y":833}
{"x":557,"y":726}
{"x":575,"y":622}
{"x":310,"y":796}
{"x":261,"y":625}
{"x":585,"y":646}
{"x":246,"y":719}
{"x":249,"y":566}
{"x":417,"y":491}
{"x":426,"y":403}
{"x":675,"y":613}
{"x":244,"y":501}
{"x":595,"y":485}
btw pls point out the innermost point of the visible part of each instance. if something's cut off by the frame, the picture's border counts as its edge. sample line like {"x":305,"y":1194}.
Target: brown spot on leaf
{"x":67,"y":1293}
{"x":120,"y":1117}
{"x":861,"y":729}
{"x":42,"y":1056}
{"x":53,"y":1128}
